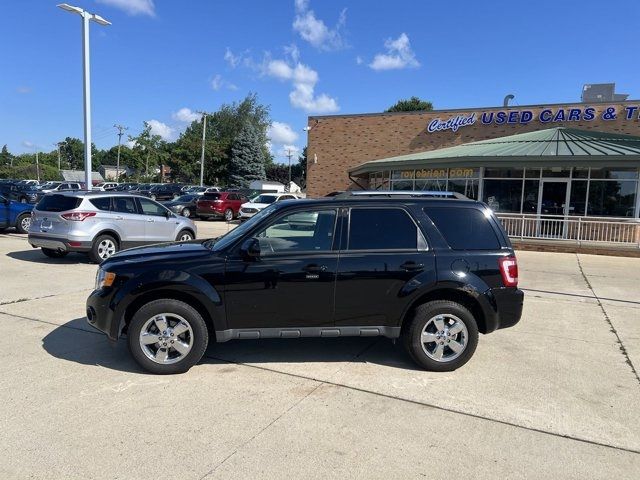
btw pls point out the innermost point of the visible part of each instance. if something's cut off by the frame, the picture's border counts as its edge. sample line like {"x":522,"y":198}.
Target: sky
{"x":162,"y":60}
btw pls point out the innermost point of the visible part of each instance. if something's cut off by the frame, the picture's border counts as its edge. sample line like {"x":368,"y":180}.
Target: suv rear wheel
{"x":228,"y":214}
{"x":442,"y":336}
{"x":167,"y":336}
{"x":23,"y":222}
{"x":103,"y":247}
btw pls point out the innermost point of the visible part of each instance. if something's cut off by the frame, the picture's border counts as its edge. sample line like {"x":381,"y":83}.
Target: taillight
{"x":509,"y":271}
{"x":77,"y":216}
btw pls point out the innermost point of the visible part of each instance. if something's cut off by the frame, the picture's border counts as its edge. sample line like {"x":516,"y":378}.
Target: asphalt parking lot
{"x":557,"y":396}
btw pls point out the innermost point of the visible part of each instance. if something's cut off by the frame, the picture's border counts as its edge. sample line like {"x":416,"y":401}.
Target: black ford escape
{"x":433,"y":272}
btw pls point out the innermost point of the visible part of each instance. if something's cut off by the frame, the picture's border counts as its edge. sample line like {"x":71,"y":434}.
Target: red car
{"x":224,"y":205}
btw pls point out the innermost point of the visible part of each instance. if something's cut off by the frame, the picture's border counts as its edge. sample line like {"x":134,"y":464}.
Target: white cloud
{"x":398,"y":56}
{"x":281,"y":133}
{"x":23,"y":89}
{"x":132,"y":7}
{"x":185,"y":115}
{"x":286,"y":149}
{"x":303,"y":80}
{"x":315,"y":31}
{"x":28,"y":144}
{"x":359,"y":60}
{"x":217,"y":82}
{"x":162,"y":129}
{"x":231,"y":59}
{"x":130,"y":143}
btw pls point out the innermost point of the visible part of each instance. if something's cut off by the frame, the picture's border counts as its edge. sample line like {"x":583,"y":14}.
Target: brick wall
{"x":341,"y":142}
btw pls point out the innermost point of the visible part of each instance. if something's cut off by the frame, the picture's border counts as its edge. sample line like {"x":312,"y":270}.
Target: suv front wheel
{"x":167,"y":336}
{"x":442,"y":336}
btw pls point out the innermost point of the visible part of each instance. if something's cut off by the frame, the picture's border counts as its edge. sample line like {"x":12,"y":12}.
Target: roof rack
{"x":402,"y":194}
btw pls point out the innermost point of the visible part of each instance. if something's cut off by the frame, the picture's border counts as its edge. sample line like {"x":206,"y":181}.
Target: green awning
{"x":554,"y":147}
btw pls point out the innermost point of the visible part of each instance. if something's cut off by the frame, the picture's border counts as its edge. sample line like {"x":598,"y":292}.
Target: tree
{"x":414,"y":104}
{"x":5,"y":157}
{"x":247,"y":158}
{"x":149,"y":151}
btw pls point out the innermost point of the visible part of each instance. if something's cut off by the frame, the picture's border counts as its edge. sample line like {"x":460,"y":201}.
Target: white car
{"x":249,"y":209}
{"x":105,"y":186}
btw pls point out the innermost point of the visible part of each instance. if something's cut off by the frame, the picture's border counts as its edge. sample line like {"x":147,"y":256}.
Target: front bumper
{"x":100,"y":313}
{"x":56,"y":243}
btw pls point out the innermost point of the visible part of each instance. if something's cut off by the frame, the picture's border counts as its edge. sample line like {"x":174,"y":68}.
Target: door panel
{"x":292,"y":283}
{"x":553,"y":203}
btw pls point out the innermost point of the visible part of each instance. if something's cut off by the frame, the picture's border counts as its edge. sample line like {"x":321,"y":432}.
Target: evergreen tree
{"x":247,"y":158}
{"x":413,"y":104}
{"x":5,"y":157}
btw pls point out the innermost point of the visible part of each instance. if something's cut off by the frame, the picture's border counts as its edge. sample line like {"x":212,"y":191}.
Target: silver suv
{"x":102,"y":223}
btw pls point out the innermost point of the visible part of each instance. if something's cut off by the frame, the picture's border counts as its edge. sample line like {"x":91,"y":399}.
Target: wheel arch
{"x":483,"y":318}
{"x":110,"y":232}
{"x":167,"y":294}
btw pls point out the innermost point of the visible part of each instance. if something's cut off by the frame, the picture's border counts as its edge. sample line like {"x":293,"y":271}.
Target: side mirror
{"x":168,"y":214}
{"x":250,"y":249}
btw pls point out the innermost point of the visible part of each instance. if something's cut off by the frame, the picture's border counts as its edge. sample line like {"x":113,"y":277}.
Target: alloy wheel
{"x":185,"y":237}
{"x":444,"y":338}
{"x":25,"y":223}
{"x":106,"y":248}
{"x":228,"y":215}
{"x":186,"y":212}
{"x":166,"y":338}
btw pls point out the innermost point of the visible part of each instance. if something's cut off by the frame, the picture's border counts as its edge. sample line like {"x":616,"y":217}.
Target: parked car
{"x":249,"y":209}
{"x":102,"y":223}
{"x":432,"y":272}
{"x":166,"y":191}
{"x":62,"y":186}
{"x":106,"y":186}
{"x":14,"y":214}
{"x":125,"y":187}
{"x":184,"y":205}
{"x":24,"y":193}
{"x":48,"y":186}
{"x":225,"y":205}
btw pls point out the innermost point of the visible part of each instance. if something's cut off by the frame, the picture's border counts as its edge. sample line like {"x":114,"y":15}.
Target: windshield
{"x":265,"y":199}
{"x":229,"y":238}
{"x":184,"y":198}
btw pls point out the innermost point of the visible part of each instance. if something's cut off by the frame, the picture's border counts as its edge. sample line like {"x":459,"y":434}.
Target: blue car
{"x":15,"y":214}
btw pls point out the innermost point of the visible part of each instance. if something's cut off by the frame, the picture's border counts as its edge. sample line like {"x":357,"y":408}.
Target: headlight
{"x":104,"y":278}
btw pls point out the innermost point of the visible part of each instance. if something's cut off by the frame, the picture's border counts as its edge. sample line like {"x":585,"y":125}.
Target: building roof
{"x":559,"y":146}
{"x":78,"y":176}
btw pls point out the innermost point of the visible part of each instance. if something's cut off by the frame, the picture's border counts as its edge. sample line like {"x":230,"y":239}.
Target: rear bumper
{"x":509,"y":303}
{"x":55,"y":243}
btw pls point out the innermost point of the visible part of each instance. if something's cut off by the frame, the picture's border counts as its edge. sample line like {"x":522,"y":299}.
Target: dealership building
{"x":546,"y":170}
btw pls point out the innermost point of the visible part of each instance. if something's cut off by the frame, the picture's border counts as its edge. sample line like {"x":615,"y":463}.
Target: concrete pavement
{"x":556,"y":396}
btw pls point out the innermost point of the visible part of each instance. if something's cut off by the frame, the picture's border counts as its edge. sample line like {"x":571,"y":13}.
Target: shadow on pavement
{"x":76,"y":342}
{"x":36,"y":256}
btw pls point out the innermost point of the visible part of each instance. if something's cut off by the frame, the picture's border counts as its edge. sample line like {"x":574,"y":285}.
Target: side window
{"x":381,"y":229}
{"x":124,"y":205}
{"x":464,"y":228}
{"x":102,"y":203}
{"x":232,"y":196}
{"x":299,"y":232}
{"x":152,"y":208}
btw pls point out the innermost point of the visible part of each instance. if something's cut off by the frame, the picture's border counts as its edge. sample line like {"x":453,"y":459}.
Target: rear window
{"x":58,"y":203}
{"x":382,"y":229}
{"x":211,"y":196}
{"x":464,"y":228}
{"x":103,"y":203}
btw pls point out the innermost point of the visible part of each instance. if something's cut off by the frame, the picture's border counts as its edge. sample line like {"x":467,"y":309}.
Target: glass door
{"x":553,"y":208}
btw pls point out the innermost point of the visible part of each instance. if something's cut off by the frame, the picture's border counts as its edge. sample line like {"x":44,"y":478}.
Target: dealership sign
{"x":523,"y":117}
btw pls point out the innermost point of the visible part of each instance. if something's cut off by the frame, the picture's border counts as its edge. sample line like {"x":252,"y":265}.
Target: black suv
{"x":167,"y":191}
{"x":433,"y":272}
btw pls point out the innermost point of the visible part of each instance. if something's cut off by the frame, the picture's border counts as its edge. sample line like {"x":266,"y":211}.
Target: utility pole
{"x":57,"y":145}
{"x":37,"y":165}
{"x":204,"y":139}
{"x":120,"y":130}
{"x":289,"y":155}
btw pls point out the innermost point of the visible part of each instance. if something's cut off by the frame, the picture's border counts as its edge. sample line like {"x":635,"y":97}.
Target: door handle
{"x":150,"y":220}
{"x":412,"y":266}
{"x":314,"y":268}
{"x":119,"y":218}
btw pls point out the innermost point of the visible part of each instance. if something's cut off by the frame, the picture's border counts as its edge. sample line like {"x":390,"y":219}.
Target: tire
{"x":186,"y":212}
{"x":23,"y":222}
{"x":434,"y":319}
{"x":54,"y":253}
{"x":228,"y":215}
{"x":103,"y":247}
{"x":184,"y":236}
{"x":161,"y":357}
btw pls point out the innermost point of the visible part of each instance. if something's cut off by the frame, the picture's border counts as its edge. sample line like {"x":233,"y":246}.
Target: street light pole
{"x":204,"y":138}
{"x":86,"y":18}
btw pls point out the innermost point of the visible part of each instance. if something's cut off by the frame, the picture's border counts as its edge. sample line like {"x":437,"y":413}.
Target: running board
{"x":290,"y":332}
